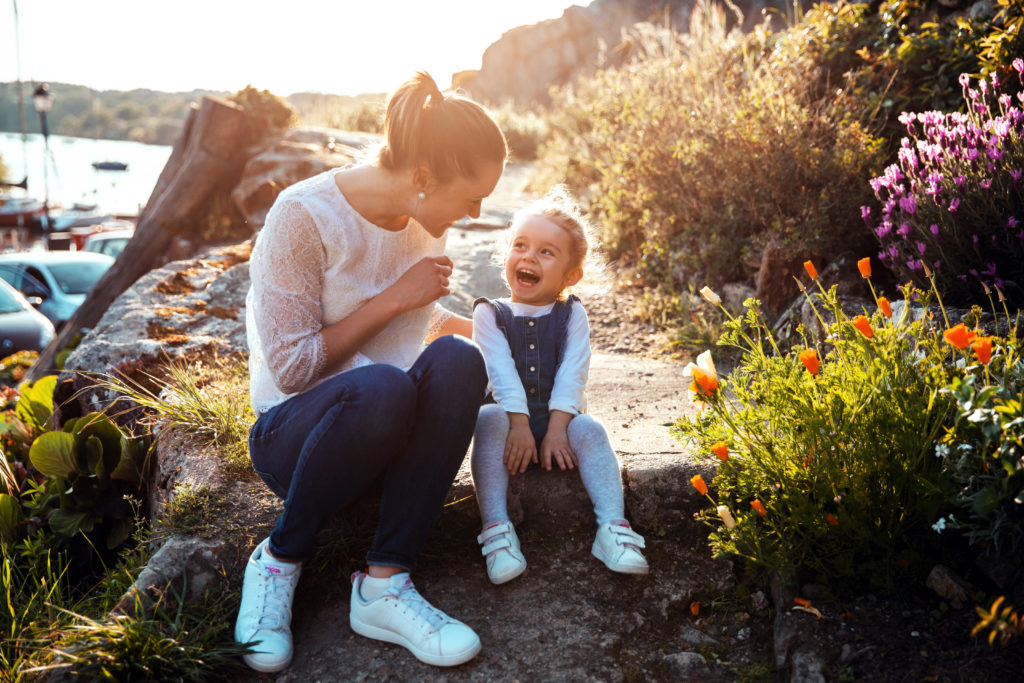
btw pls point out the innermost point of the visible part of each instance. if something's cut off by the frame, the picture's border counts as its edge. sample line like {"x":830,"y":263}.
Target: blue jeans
{"x":407,"y":432}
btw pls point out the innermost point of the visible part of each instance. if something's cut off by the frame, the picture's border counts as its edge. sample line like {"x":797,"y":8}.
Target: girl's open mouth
{"x":525,"y":277}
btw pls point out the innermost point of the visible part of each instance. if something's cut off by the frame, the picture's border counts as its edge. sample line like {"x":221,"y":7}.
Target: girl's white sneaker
{"x":505,"y":560}
{"x":618,"y":546}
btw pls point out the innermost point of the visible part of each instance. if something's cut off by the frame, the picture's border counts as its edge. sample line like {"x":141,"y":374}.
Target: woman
{"x":345,"y":276}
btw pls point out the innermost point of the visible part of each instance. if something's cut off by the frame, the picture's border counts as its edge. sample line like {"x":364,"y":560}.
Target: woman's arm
{"x":424,"y":283}
{"x":286,"y":269}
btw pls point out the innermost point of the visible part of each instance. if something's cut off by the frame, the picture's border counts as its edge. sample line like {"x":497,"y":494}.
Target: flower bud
{"x":723,"y":512}
{"x":708,"y":294}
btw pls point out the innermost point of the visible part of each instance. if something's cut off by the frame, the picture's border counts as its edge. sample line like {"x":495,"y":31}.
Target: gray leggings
{"x":599,"y":468}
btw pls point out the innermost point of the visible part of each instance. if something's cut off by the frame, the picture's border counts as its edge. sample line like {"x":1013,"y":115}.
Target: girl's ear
{"x":572,"y":277}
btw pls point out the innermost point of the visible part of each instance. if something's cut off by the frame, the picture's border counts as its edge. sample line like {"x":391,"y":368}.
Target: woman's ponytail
{"x":449,"y":135}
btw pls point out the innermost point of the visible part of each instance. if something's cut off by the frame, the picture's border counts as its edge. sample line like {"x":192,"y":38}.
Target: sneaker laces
{"x":277,"y":599}
{"x":412,"y":601}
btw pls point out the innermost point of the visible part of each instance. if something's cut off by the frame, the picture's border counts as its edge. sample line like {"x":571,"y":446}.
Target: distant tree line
{"x":156,"y":118}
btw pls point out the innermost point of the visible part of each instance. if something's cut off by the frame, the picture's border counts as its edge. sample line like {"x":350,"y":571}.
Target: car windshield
{"x":8,"y":304}
{"x":77,"y":278}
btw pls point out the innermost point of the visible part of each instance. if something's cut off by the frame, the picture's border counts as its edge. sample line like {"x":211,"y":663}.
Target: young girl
{"x":536,"y":345}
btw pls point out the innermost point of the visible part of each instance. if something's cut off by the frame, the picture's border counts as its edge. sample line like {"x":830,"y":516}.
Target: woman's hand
{"x":520,"y":447}
{"x":556,"y":443}
{"x":424,"y":283}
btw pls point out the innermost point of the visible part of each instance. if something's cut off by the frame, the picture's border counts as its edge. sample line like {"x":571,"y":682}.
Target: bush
{"x":955,"y":200}
{"x":691,"y":175}
{"x":836,"y":464}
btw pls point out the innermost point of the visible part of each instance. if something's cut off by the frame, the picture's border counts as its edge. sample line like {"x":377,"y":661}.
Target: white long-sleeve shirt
{"x":314,"y":263}
{"x":569,"y":391}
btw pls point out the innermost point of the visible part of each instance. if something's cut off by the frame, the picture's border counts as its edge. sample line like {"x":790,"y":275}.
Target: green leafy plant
{"x":93,"y":468}
{"x":983,"y":453}
{"x":827,"y":454}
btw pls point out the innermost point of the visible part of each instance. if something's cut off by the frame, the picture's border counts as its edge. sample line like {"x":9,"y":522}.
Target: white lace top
{"x":315,"y":262}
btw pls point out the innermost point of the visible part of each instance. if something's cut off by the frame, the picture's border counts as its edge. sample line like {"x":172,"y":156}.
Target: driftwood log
{"x":208,"y":157}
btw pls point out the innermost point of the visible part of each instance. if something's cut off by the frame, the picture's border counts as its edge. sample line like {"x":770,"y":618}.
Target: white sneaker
{"x":618,"y":546}
{"x":505,"y":560}
{"x":265,"y":613}
{"x":401,"y":616}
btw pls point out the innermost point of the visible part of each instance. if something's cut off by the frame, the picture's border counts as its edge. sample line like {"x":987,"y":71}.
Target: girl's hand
{"x":424,"y":283}
{"x":520,"y":447}
{"x":556,"y":445}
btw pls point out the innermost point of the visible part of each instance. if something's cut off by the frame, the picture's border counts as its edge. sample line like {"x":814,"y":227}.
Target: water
{"x":72,"y":177}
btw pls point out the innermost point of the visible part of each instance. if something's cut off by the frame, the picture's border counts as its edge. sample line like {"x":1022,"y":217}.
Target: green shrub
{"x":525,"y":131}
{"x":690,"y":175}
{"x":838,"y":465}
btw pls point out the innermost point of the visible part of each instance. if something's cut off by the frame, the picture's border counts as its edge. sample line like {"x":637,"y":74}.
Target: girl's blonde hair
{"x":450,"y":135}
{"x":559,"y":207}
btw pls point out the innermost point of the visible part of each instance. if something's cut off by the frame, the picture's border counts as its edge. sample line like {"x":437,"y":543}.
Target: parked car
{"x":59,"y":279}
{"x":22,"y":328}
{"x":110,"y":242}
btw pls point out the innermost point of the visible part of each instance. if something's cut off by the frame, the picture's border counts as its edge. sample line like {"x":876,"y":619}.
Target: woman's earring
{"x":422,"y":195}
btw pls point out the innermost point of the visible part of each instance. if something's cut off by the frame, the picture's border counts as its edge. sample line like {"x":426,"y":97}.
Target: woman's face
{"x":445,"y":204}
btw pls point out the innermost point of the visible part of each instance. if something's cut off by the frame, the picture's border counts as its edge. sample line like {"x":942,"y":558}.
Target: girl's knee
{"x":492,"y":419}
{"x":586,"y":426}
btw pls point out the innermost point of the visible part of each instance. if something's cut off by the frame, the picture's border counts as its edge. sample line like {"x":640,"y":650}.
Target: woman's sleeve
{"x":571,"y":378}
{"x":439,"y":315}
{"x":506,"y":387}
{"x":286,"y":269}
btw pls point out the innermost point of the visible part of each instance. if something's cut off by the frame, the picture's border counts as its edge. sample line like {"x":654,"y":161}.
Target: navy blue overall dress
{"x":537,"y":345}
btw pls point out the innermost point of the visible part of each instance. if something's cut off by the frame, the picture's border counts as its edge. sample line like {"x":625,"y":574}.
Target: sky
{"x":342,"y":47}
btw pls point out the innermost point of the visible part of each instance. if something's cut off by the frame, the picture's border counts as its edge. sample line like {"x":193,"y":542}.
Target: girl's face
{"x":445,"y":204}
{"x":538,"y":263}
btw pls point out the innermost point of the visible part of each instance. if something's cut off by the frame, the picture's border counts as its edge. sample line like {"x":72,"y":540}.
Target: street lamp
{"x":42,"y":100}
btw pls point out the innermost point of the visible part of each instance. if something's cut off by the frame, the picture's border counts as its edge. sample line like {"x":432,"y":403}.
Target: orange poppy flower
{"x":809,"y":357}
{"x":695,"y":607}
{"x":832,"y":519}
{"x":885,"y":307}
{"x":698,"y":483}
{"x":864,"y":325}
{"x":705,"y":377}
{"x":959,"y":336}
{"x":803,"y":602}
{"x":721,"y":449}
{"x":864,"y":266}
{"x":983,"y":347}
{"x":759,"y":506}
{"x":811,"y":270}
